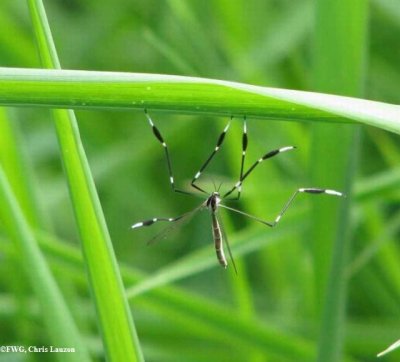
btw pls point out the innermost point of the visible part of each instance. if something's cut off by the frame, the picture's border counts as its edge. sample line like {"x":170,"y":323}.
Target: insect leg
{"x":268,"y":155}
{"x":213,"y":153}
{"x":157,"y":134}
{"x":310,"y":190}
{"x":286,"y":206}
{"x":244,"y":149}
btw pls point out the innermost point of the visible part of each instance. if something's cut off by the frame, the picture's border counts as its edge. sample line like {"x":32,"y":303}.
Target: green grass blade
{"x":168,"y":52}
{"x":115,"y":320}
{"x":293,"y":28}
{"x":18,"y":171}
{"x":56,"y":316}
{"x":340,"y":44}
{"x":390,"y":8}
{"x":379,"y":184}
{"x":84,"y":89}
{"x":17,"y":168}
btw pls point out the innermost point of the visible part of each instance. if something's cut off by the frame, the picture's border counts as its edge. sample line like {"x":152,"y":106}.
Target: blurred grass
{"x":339,"y":45}
{"x":57,"y":318}
{"x":269,"y":311}
{"x":15,"y":165}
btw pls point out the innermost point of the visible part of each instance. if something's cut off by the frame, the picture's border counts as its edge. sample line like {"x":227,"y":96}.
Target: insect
{"x":214,"y":200}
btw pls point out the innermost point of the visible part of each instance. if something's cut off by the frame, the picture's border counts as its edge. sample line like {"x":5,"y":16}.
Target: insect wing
{"x":175,"y":225}
{"x":224,"y":236}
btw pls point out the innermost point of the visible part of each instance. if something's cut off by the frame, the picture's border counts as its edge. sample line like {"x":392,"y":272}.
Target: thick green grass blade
{"x":340,"y":47}
{"x":56,"y":316}
{"x":85,"y":89}
{"x":114,"y":317}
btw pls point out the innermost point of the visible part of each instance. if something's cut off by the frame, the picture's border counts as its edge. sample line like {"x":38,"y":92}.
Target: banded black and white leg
{"x":157,"y":134}
{"x":268,"y":155}
{"x":244,"y":149}
{"x":185,"y":216}
{"x":213,"y":153}
{"x":217,"y":147}
{"x":309,"y":190}
{"x":154,"y":220}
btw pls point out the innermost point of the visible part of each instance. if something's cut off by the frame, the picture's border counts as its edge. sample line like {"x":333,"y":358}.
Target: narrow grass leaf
{"x":293,"y":28}
{"x":339,"y":47}
{"x":169,"y":52}
{"x":114,"y":317}
{"x":18,"y":171}
{"x":56,"y":316}
{"x":86,"y":89}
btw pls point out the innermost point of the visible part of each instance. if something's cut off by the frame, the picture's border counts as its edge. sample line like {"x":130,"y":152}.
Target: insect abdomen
{"x":217,"y":235}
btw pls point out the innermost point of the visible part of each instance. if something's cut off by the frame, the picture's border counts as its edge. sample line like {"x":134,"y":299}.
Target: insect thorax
{"x":213,"y":201}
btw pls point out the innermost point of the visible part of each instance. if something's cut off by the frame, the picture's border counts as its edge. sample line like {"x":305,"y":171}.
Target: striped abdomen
{"x":217,"y":235}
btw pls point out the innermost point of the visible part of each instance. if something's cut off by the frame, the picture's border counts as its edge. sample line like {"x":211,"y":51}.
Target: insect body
{"x":213,"y":201}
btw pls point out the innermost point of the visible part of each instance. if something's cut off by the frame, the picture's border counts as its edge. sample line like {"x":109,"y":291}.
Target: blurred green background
{"x":266,"y":43}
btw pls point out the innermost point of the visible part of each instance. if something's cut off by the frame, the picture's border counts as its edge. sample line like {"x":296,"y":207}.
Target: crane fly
{"x":214,"y":200}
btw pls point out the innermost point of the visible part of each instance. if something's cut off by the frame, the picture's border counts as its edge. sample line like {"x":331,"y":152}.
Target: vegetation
{"x":323,"y":285}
